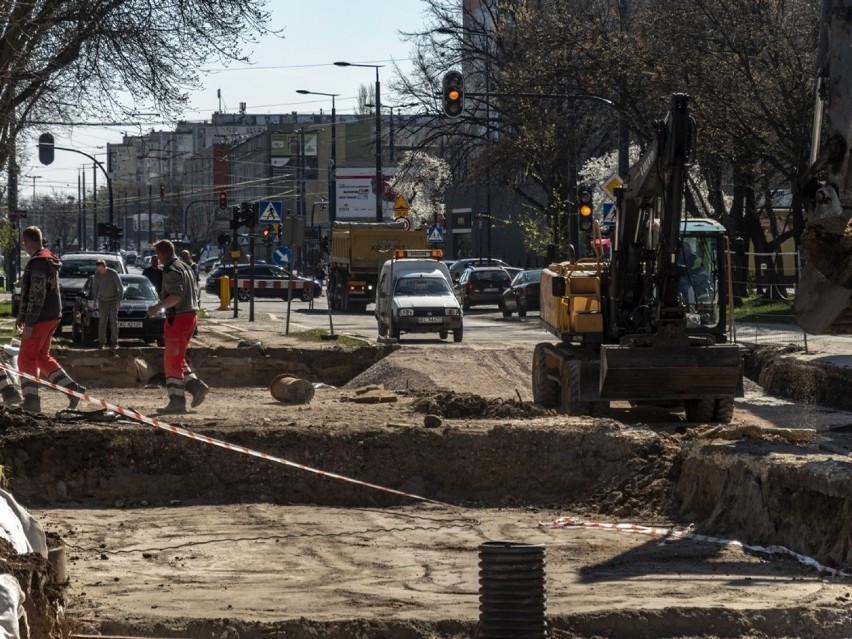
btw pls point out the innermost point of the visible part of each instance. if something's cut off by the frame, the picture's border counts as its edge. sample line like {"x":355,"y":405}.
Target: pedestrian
{"x":39,"y":316}
{"x":186,"y":258}
{"x":107,"y":291}
{"x":179,"y":298}
{"x":154,"y":273}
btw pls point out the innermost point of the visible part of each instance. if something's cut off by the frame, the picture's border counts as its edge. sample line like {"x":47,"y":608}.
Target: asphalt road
{"x":485,"y":326}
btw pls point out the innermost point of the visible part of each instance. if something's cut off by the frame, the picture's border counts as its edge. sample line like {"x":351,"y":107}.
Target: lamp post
{"x":380,"y":185}
{"x":332,"y":165}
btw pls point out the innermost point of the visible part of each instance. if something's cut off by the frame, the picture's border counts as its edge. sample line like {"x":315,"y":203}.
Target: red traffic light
{"x":265,"y":231}
{"x":223,"y":200}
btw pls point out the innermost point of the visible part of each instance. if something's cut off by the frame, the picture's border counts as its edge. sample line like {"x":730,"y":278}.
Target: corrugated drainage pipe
{"x":512,"y":600}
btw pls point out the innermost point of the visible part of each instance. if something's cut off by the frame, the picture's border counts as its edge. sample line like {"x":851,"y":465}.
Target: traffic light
{"x":267,"y":235}
{"x":244,"y":215}
{"x":223,"y":201}
{"x":585,"y":209}
{"x":45,"y":148}
{"x":453,"y":93}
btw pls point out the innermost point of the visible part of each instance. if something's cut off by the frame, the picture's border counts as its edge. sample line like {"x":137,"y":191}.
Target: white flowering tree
{"x":423,"y":180}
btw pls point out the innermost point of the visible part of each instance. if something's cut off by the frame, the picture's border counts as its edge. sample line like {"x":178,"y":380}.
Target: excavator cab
{"x":701,"y":289}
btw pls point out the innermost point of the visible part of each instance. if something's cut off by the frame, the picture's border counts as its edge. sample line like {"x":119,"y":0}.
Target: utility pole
{"x":150,"y":204}
{"x":14,"y":260}
{"x":95,"y":244}
{"x":85,"y":230}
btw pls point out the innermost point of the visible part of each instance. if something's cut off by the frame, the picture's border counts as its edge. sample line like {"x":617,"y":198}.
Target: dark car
{"x":270,"y":281}
{"x":480,"y":286}
{"x":133,"y":320}
{"x":523,"y":293}
{"x":459,"y":266}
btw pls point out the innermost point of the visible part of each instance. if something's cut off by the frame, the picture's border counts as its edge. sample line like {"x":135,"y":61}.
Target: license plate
{"x":430,"y":320}
{"x":130,"y":324}
{"x":490,"y":290}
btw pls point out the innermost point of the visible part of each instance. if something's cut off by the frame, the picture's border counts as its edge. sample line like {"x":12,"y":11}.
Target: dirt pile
{"x":468,"y":405}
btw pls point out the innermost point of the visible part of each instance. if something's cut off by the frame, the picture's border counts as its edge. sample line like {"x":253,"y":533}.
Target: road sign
{"x":401,"y":207}
{"x":270,"y":212}
{"x":435,"y":234}
{"x":612,"y":183}
{"x":282,"y":256}
{"x":405,"y":221}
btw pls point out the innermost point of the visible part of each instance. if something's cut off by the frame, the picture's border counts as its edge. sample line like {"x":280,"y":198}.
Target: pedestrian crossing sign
{"x":435,"y":234}
{"x":270,"y":212}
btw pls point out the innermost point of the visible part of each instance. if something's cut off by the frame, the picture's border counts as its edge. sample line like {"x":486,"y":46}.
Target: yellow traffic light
{"x":453,"y":94}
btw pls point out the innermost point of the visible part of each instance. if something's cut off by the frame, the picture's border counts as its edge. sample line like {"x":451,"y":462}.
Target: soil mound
{"x":468,"y":405}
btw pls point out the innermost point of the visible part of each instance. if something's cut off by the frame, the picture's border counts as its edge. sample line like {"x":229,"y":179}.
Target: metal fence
{"x":771,"y":280}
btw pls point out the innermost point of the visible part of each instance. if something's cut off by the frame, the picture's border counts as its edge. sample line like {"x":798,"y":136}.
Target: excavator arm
{"x":824,"y":294}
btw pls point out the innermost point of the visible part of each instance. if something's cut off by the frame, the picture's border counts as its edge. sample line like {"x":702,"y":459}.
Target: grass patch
{"x":756,"y":309}
{"x":6,"y":308}
{"x":315,"y":335}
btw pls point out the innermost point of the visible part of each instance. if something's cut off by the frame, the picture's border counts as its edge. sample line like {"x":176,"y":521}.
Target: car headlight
{"x":452,"y":311}
{"x":161,"y":312}
{"x":406,"y":312}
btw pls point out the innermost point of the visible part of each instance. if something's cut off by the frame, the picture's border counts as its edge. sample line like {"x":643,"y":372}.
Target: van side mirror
{"x":557,"y":287}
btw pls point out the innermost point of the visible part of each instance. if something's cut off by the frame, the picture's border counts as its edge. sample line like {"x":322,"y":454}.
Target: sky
{"x":316,"y":34}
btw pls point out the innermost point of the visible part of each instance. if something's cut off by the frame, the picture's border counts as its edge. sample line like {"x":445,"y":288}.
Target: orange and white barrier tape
{"x":636,"y":529}
{"x":185,"y":432}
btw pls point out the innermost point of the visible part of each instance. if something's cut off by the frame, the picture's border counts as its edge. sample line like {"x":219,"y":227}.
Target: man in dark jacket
{"x":154,"y":273}
{"x":38,"y":318}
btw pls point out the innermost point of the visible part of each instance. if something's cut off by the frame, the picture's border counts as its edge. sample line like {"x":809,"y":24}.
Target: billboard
{"x":356,"y":194}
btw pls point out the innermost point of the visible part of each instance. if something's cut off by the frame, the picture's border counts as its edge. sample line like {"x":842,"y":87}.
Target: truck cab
{"x":414,"y":295}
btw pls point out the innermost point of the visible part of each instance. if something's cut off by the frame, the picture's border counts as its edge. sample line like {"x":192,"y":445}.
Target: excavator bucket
{"x":822,"y":306}
{"x":670,"y":373}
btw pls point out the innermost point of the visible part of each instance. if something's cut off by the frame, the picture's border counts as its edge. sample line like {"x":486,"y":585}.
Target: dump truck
{"x":650,"y":324}
{"x":356,"y":254}
{"x":824,"y":293}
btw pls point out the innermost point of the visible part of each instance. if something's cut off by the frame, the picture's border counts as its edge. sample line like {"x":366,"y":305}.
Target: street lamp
{"x":380,"y":185}
{"x":332,"y":165}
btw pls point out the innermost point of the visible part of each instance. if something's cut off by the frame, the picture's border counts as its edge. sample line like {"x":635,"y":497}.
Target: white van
{"x":414,"y":295}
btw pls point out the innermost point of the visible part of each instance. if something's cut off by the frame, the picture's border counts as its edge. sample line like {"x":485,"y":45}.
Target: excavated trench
{"x":487,"y":454}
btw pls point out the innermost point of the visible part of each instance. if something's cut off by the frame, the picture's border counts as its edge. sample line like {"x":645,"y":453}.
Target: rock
{"x":432,"y":421}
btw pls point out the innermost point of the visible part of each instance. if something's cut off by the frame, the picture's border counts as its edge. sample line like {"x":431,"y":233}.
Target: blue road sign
{"x":435,"y":234}
{"x":282,"y":256}
{"x":269,"y":212}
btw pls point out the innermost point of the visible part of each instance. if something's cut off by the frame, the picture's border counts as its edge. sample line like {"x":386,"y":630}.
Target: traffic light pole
{"x":186,"y":213}
{"x":112,"y":246}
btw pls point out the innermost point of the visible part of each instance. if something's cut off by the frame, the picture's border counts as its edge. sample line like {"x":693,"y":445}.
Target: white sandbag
{"x":19,"y":527}
{"x":12,"y":609}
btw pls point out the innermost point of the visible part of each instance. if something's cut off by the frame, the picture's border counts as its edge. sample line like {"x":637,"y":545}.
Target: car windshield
{"x":422,"y":286}
{"x":491,"y":276}
{"x":85,"y":268}
{"x":139,"y":290}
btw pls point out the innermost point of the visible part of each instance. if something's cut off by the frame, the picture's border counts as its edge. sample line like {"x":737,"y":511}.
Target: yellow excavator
{"x":648,"y":325}
{"x":824,"y":294}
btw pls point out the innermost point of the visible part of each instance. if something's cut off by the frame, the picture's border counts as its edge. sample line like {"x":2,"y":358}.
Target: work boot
{"x":32,"y":403}
{"x":176,"y":406}
{"x":74,"y":401}
{"x":198,"y":390}
{"x":11,"y":396}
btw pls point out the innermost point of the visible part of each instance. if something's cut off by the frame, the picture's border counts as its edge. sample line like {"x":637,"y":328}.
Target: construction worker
{"x":39,"y":316}
{"x":179,"y":297}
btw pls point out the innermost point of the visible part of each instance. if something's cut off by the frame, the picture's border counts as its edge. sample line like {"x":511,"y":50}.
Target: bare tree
{"x":83,"y":56}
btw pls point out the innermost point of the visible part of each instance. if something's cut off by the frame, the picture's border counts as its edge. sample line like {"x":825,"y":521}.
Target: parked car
{"x":133,"y":320}
{"x":482,"y":285}
{"x":265,"y":273}
{"x":523,"y":293}
{"x":207,"y":265}
{"x":459,"y":266}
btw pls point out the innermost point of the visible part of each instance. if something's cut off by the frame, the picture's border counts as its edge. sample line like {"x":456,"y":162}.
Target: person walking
{"x":107,"y":291}
{"x":39,"y":316}
{"x":154,"y":273}
{"x":179,"y":298}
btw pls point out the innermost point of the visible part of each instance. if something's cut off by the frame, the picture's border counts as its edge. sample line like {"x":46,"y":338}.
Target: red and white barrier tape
{"x":185,"y":432}
{"x":636,"y":529}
